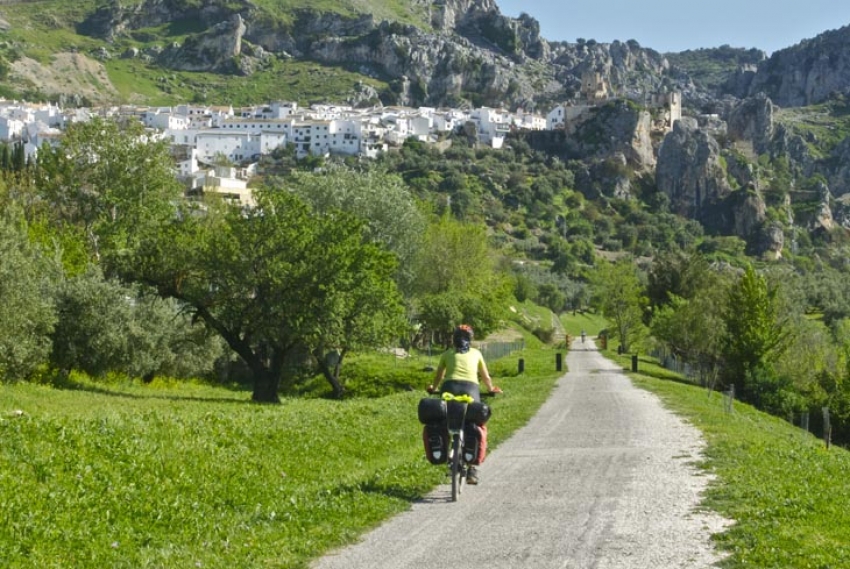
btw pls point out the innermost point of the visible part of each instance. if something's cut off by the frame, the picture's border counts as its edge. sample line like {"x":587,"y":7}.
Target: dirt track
{"x":602,"y":477}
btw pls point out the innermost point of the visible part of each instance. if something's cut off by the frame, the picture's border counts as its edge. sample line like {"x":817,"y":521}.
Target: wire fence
{"x":431,"y":354}
{"x":495,"y":350}
{"x":706,"y":375}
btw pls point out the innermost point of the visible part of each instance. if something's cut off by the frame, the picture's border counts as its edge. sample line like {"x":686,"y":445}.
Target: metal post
{"x":521,"y":365}
{"x":729,"y":398}
{"x":558,"y":363}
{"x":827,"y":428}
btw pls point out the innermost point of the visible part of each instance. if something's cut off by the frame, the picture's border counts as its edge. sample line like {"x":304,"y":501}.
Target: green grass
{"x":41,"y":29}
{"x":787,"y":493}
{"x":303,"y":82}
{"x":183,"y":474}
{"x":589,"y":322}
{"x":187,"y":475}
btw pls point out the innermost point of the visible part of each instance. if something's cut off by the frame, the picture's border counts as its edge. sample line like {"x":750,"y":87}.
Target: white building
{"x":226,"y":182}
{"x":562,"y":115}
{"x":11,"y":129}
{"x":165,"y":119}
{"x":236,"y":146}
{"x":493,"y":126}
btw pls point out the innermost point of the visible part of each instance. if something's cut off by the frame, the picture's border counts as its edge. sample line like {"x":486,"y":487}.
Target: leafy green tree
{"x":692,"y":330}
{"x":91,"y":332}
{"x":552,"y":298}
{"x":756,"y":332}
{"x":275,"y":280}
{"x":810,"y":367}
{"x":392,"y":217}
{"x":110,"y":180}
{"x":619,"y":295}
{"x":457,"y":280}
{"x":26,"y":300}
{"x":524,"y":289}
{"x":838,"y":392}
{"x":677,"y":273}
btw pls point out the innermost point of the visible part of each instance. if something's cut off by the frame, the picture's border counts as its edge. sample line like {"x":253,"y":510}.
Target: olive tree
{"x":274,"y":280}
{"x":106,"y":326}
{"x":380,"y":199}
{"x":27,"y":308}
{"x":110,"y":180}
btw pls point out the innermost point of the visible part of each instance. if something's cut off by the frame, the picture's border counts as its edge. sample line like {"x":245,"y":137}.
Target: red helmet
{"x":464,"y":331}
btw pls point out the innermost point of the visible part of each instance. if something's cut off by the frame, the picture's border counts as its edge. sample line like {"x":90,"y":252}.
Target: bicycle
{"x":456,"y":407}
{"x":453,"y":412}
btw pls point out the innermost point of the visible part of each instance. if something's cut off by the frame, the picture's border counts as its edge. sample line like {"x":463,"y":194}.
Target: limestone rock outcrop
{"x":471,"y":54}
{"x":805,"y":74}
{"x":752,"y":120}
{"x":690,"y":171}
{"x":215,"y":50}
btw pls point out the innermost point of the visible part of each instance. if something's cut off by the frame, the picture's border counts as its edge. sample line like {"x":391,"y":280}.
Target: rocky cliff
{"x":690,"y":171}
{"x":470,"y":54}
{"x":805,"y":74}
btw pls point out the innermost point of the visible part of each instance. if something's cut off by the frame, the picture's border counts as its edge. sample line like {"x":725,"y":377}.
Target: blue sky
{"x":669,"y":25}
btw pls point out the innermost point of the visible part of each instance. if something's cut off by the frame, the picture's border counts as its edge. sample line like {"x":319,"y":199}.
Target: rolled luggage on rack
{"x":432,"y":411}
{"x":478,"y":413}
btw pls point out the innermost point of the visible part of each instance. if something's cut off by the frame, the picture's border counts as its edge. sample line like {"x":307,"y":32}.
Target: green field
{"x":188,"y":475}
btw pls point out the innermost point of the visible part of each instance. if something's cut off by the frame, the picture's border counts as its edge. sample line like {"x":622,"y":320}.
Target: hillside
{"x":419,"y":52}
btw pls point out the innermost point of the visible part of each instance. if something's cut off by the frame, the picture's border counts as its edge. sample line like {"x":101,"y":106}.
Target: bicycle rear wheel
{"x":457,"y":466}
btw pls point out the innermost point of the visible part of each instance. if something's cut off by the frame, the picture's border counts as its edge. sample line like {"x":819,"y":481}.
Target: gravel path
{"x":602,"y":477}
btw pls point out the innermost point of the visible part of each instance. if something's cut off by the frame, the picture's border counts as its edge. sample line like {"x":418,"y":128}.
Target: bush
{"x":26,"y":301}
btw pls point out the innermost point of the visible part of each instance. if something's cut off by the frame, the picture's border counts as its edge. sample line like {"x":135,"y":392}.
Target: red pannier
{"x":474,"y":443}
{"x":436,"y":439}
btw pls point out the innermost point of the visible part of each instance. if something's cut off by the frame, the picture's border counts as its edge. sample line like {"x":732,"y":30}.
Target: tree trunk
{"x":266,"y":385}
{"x":330,"y":368}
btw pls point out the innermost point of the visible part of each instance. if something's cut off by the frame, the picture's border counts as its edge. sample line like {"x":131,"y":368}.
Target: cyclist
{"x":460,"y":371}
{"x":583,"y":336}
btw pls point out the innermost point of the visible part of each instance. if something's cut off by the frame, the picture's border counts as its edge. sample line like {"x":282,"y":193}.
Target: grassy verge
{"x":590,"y":322}
{"x":788,"y":495}
{"x":182,"y":475}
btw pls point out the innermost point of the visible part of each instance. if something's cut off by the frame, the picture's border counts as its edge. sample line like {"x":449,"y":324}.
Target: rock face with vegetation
{"x":691,"y":171}
{"x":752,"y":120}
{"x":805,"y":74}
{"x":465,"y":51}
{"x":216,"y":50}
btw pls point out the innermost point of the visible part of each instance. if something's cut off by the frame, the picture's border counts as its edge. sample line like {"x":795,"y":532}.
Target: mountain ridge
{"x":420,"y":52}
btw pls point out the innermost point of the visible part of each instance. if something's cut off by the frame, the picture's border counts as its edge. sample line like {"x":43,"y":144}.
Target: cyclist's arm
{"x":484,"y":375}
{"x":438,"y":377}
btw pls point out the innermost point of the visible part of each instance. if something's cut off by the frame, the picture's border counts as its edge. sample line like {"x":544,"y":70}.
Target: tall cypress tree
{"x":755,"y":333}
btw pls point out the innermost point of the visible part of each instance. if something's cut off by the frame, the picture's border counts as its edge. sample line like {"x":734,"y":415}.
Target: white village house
{"x":203,"y":138}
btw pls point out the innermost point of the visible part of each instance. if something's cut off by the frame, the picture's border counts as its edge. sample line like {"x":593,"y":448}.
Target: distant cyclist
{"x":460,"y":371}
{"x":583,"y":336}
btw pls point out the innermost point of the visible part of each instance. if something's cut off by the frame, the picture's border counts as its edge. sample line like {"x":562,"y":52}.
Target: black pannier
{"x":478,"y":413}
{"x":432,"y":411}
